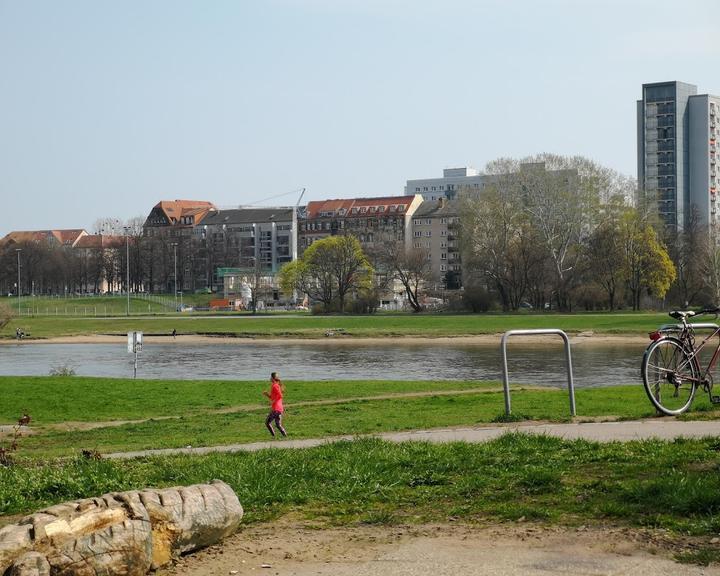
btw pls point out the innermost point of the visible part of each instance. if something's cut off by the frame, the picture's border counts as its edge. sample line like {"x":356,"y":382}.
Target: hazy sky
{"x":108,"y":107}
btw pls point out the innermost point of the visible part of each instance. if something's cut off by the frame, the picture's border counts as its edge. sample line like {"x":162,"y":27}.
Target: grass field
{"x":307,"y":326}
{"x":110,"y":415}
{"x":672,"y":485}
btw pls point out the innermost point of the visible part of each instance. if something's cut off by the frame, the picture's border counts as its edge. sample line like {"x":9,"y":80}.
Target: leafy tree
{"x":329,"y":270}
{"x":648,"y":265}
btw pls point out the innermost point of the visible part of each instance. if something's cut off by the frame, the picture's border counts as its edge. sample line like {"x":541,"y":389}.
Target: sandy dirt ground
{"x":583,"y":338}
{"x":438,"y":550}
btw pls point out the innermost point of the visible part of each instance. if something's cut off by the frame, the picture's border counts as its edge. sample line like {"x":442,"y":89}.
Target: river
{"x":603,"y":364}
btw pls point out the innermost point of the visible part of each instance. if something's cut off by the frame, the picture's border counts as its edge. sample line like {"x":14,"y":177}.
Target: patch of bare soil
{"x":289,"y":547}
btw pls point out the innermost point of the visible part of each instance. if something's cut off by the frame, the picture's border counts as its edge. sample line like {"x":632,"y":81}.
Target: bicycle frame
{"x":687,"y":332}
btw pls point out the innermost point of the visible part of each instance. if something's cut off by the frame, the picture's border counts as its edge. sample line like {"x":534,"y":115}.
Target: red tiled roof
{"x":100,"y":241}
{"x":176,"y":209}
{"x":64,"y":237}
{"x":68,"y":236}
{"x":315,"y":207}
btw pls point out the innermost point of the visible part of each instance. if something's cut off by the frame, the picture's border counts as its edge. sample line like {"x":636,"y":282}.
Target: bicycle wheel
{"x":670,"y":376}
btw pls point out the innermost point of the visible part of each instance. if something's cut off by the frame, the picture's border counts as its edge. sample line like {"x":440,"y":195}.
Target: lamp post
{"x":18,"y":250}
{"x":175,"y":245}
{"x":127,"y":267}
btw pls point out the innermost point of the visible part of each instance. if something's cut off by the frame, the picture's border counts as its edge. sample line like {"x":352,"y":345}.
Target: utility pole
{"x":175,"y":245}
{"x":127,"y":267}
{"x":18,"y":250}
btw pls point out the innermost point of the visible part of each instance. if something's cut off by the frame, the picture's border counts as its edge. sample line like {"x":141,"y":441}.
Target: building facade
{"x":370,"y":220}
{"x":453,"y":180}
{"x":435,"y":230}
{"x":247,"y":240}
{"x":677,"y":135}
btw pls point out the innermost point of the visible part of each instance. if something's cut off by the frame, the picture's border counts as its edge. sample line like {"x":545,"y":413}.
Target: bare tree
{"x":411,"y":267}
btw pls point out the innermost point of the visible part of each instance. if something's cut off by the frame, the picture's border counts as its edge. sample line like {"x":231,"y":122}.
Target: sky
{"x":108,"y":107}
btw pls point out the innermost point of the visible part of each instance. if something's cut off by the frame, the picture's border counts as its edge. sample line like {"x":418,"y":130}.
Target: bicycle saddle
{"x":679,"y":314}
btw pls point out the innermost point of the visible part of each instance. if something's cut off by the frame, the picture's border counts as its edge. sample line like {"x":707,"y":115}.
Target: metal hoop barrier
{"x":568,"y":362}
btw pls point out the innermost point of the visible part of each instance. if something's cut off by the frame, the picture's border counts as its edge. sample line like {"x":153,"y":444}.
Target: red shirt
{"x":276,"y":397}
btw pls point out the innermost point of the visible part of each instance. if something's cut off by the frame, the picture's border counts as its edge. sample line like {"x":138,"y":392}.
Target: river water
{"x":593,"y":365}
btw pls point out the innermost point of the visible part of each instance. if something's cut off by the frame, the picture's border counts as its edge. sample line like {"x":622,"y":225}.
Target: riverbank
{"x":421,"y":326}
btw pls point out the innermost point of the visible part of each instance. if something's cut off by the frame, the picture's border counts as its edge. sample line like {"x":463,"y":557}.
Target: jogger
{"x":276,"y":404}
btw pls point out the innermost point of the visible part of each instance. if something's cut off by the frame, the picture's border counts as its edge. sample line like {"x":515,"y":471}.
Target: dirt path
{"x":439,"y":550}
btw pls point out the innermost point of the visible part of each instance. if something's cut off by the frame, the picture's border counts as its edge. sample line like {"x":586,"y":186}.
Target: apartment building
{"x":453,"y":180}
{"x":176,"y":217}
{"x":435,"y":227}
{"x":370,"y":220}
{"x":458,"y":181}
{"x":250,"y":237}
{"x":677,"y":148}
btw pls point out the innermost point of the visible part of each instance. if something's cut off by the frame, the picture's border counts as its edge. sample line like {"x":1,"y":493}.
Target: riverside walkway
{"x":622,"y":431}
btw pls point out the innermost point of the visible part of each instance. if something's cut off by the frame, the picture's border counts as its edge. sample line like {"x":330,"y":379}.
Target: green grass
{"x":672,"y":485}
{"x":306,"y":326}
{"x":83,"y":399}
{"x":205,"y":413}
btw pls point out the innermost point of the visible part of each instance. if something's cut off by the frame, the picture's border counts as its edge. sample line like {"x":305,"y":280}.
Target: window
{"x":363,"y":210}
{"x":354,"y":210}
{"x":443,"y":220}
{"x":417,"y":245}
{"x":417,"y":222}
{"x":428,"y":221}
{"x":443,"y":256}
{"x":381,"y":209}
{"x":401,"y":208}
{"x":417,"y":189}
{"x":428,"y":233}
{"x":393,"y":207}
{"x":443,"y":244}
{"x":443,"y":232}
{"x":443,"y":268}
{"x":417,"y":234}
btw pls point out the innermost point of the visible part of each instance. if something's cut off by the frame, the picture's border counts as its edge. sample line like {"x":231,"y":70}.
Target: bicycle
{"x":671,"y":368}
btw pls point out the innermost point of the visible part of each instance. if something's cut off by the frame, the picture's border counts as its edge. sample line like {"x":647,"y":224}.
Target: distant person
{"x":174,"y":333}
{"x":276,"y":404}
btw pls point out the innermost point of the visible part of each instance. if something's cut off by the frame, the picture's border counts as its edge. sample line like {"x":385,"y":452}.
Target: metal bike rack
{"x":568,"y":361}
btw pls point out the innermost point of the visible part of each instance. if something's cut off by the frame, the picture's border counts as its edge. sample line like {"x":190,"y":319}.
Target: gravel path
{"x":664,"y":429}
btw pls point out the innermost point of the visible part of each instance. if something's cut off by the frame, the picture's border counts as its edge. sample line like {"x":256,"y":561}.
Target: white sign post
{"x":135,"y":347}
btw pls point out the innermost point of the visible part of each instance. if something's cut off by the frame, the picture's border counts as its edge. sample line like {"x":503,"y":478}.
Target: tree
{"x":648,"y":265}
{"x":495,"y":232}
{"x":411,"y":267}
{"x":329,"y":270}
{"x":6,"y":315}
{"x":604,"y":257}
{"x":689,"y":250}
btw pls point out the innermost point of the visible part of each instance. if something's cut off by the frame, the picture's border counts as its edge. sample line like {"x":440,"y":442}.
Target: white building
{"x":446,"y":187}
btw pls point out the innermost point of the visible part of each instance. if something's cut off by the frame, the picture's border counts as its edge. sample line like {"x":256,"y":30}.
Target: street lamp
{"x":127,"y":267}
{"x":18,"y":250}
{"x":175,"y":245}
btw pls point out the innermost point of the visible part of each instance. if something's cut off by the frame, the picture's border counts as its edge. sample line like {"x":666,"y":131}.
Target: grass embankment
{"x":111,"y":415}
{"x":307,"y":326}
{"x":671,"y":485}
